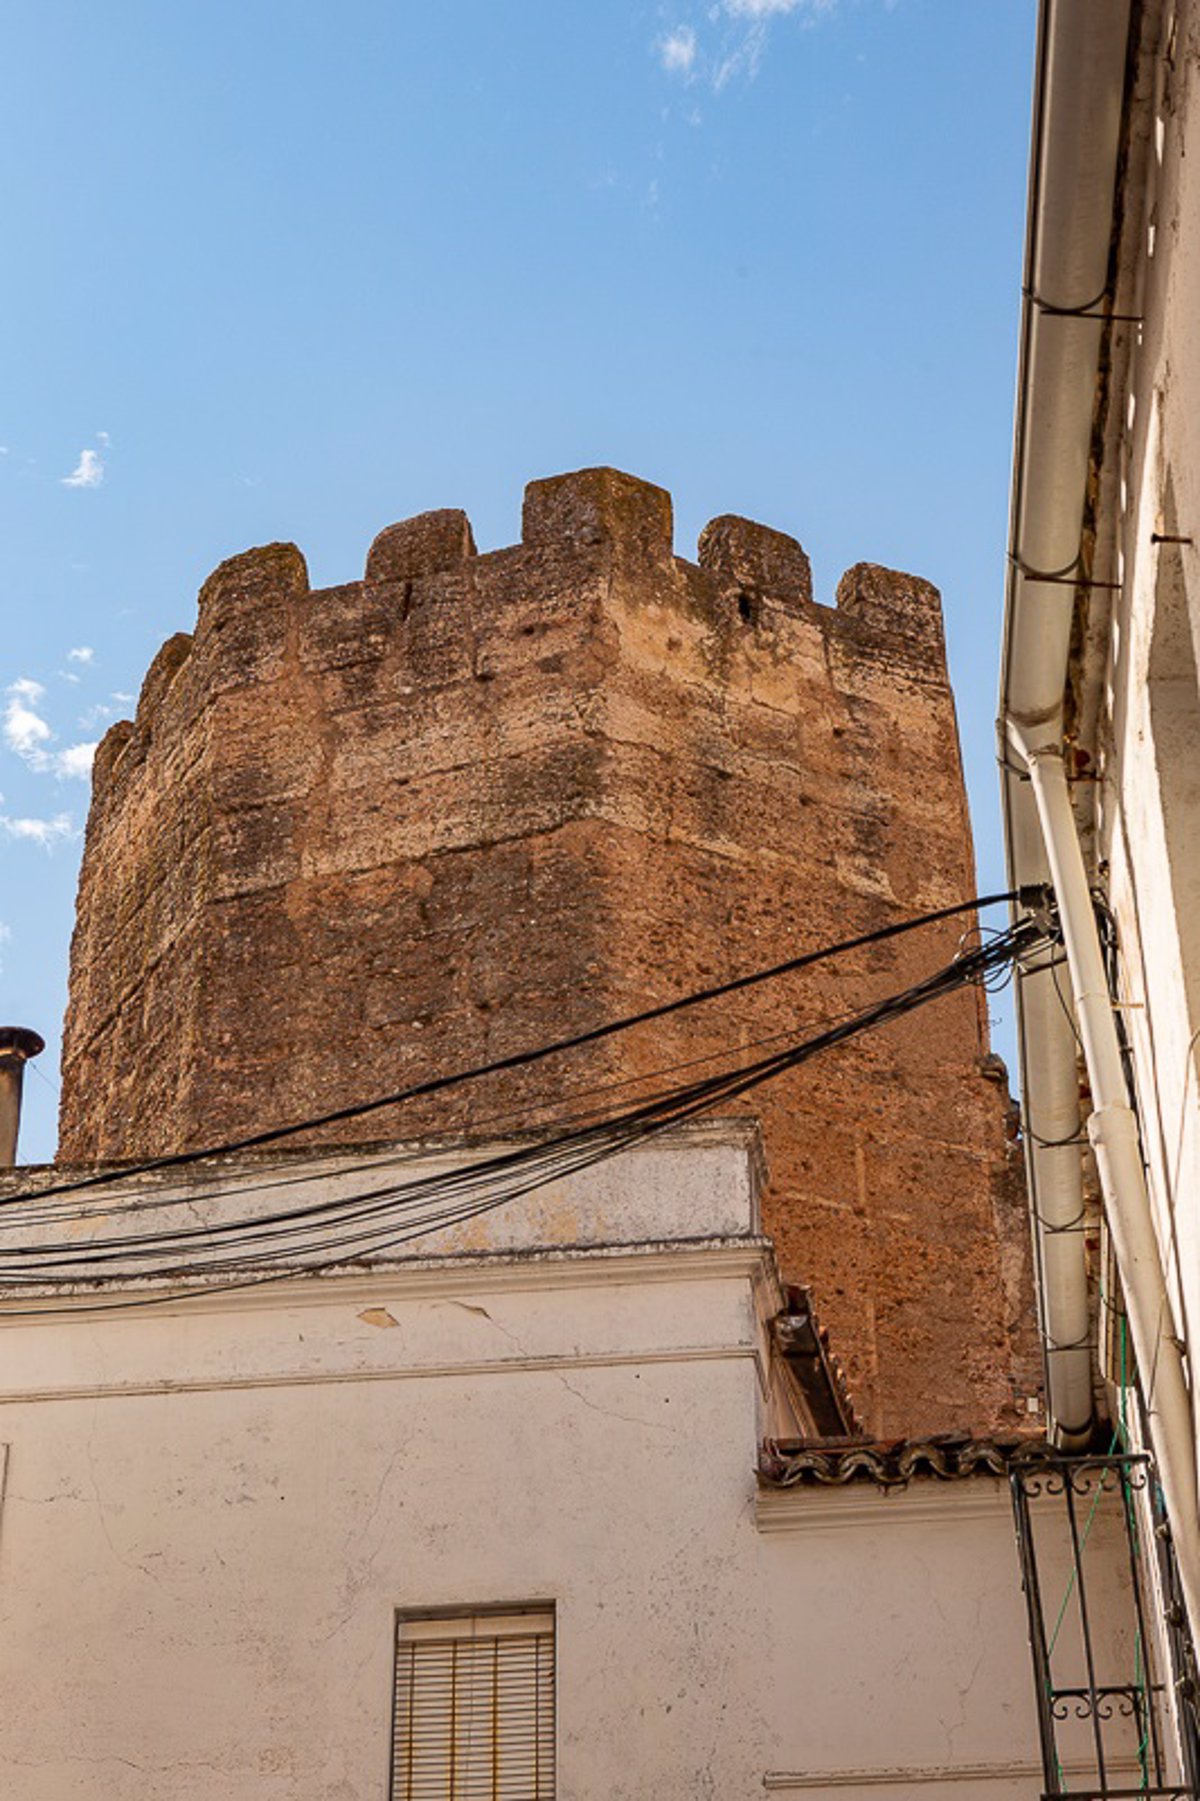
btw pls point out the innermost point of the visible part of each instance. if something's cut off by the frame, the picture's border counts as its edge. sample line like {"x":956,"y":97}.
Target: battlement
{"x":591,"y":522}
{"x":360,"y":835}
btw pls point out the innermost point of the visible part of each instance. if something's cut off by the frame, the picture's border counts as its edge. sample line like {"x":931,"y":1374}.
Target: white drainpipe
{"x":1052,"y":1126}
{"x":1113,"y":1134}
{"x":1076,"y":137}
{"x":1072,"y":208}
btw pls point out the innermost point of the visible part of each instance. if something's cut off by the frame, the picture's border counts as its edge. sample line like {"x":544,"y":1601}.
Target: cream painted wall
{"x":898,"y":1629}
{"x":1149,"y":803}
{"x":213,"y":1511}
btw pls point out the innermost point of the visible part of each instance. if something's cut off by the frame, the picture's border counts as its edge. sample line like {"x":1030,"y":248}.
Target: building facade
{"x":1100,"y":735}
{"x":431,"y":1457}
{"x":491,"y":1517}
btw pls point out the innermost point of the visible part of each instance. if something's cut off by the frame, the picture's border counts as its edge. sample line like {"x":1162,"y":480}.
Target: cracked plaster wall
{"x":213,"y":1514}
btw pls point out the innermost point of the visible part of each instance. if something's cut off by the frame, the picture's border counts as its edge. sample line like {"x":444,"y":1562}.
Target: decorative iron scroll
{"x":1113,"y":1666}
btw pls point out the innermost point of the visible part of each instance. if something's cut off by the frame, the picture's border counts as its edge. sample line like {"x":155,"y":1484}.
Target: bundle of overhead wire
{"x":161,"y":1245}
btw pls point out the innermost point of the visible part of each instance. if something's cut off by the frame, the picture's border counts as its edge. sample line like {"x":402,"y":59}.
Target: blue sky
{"x":295,"y":270}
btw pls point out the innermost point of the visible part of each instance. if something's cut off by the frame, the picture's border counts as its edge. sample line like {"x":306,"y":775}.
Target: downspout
{"x":1113,"y":1134}
{"x":1075,"y":210}
{"x":1077,"y":113}
{"x":1053,"y":1131}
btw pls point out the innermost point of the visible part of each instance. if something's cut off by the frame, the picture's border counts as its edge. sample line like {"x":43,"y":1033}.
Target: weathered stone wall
{"x":360,"y":836}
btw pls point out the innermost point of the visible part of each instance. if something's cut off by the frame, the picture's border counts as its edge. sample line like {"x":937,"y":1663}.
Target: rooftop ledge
{"x":695,"y":1183}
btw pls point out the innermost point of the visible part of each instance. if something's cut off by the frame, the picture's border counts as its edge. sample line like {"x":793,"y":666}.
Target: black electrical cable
{"x":1028,"y":896}
{"x":970,"y":967}
{"x":376,"y":1239}
{"x":19,"y":1213}
{"x":528,"y":1167}
{"x":704,"y":1092}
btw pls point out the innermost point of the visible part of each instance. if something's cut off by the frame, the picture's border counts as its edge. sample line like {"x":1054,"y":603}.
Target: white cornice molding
{"x":695,"y":1260}
{"x":925,"y":1499}
{"x":916,"y":1776}
{"x":554,"y":1364}
{"x":210,"y":1174}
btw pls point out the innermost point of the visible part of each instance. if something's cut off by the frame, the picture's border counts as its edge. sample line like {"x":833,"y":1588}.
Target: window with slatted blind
{"x":474,"y":1707}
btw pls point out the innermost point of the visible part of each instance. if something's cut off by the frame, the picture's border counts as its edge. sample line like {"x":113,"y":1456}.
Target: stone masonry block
{"x":755,"y":558}
{"x":161,"y":673}
{"x":271,"y":572}
{"x":243,"y":623}
{"x":904,"y":606}
{"x":107,"y":752}
{"x":600,"y":507}
{"x":424,"y":545}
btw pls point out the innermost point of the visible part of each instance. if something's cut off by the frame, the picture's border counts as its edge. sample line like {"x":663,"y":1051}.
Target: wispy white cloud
{"x":732,"y":38}
{"x":772,"y":9}
{"x":743,"y":59}
{"x":93,"y":716}
{"x":677,"y":51}
{"x":83,"y":653}
{"x":46,"y":832}
{"x":25,"y":731}
{"x":75,"y":763}
{"x":88,"y":471}
{"x":30,"y":736}
{"x":5,"y":938}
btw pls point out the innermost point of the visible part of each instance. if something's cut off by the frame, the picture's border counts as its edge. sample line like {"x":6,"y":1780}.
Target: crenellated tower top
{"x":359,"y":835}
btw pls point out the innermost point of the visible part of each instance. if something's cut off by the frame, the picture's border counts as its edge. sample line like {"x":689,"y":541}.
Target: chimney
{"x":17,"y":1045}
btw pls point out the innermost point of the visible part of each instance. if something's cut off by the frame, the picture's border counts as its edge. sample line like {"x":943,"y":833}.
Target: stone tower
{"x":366,"y":834}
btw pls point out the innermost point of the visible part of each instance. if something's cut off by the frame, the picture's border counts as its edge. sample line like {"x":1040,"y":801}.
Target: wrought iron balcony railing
{"x":1112,"y":1661}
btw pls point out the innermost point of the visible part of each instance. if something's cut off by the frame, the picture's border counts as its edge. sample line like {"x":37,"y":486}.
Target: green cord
{"x":1120,"y":1437}
{"x":1062,"y":1612}
{"x":1140,"y":1672}
{"x":1082,"y":1548}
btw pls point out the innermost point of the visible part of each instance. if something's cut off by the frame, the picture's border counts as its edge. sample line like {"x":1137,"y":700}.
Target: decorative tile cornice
{"x":948,"y":1457}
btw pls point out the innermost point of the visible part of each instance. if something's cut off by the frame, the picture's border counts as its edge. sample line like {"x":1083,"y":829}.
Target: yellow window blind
{"x":474,"y":1708}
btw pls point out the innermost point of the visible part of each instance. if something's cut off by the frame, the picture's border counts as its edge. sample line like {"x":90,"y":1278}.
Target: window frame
{"x":464,"y":1624}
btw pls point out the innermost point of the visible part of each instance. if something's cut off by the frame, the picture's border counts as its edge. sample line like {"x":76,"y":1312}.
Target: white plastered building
{"x":1100,"y":736}
{"x":497,"y":1502}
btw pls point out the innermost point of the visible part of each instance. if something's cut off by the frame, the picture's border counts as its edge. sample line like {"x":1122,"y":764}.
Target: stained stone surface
{"x":360,"y":836}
